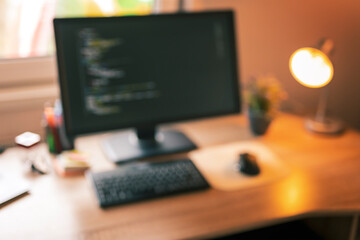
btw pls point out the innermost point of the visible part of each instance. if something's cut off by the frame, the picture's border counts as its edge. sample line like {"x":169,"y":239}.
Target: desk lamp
{"x":312,"y":68}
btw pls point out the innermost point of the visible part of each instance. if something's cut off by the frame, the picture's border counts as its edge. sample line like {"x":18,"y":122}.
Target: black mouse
{"x":248,"y":164}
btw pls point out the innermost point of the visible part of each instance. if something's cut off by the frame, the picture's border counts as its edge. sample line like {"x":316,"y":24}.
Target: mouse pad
{"x":219,"y":165}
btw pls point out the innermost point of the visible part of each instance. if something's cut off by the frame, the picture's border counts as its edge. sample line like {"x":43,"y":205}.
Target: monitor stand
{"x":145,"y":142}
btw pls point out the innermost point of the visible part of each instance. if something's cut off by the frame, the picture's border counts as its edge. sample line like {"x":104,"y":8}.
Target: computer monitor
{"x":142,"y":71}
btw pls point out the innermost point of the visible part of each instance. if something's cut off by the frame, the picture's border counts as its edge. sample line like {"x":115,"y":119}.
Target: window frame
{"x":25,"y":86}
{"x":27,"y":71}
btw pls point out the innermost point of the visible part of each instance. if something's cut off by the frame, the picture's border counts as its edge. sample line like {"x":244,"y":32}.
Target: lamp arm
{"x":326,"y":45}
{"x":321,"y":111}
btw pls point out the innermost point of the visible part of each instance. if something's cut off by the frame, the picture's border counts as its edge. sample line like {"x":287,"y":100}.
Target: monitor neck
{"x":146,"y":136}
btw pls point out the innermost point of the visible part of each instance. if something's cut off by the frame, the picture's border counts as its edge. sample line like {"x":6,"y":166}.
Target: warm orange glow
{"x":311,"y":67}
{"x":293,"y":195}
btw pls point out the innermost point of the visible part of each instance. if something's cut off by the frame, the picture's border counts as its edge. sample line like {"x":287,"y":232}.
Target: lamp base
{"x":327,"y":126}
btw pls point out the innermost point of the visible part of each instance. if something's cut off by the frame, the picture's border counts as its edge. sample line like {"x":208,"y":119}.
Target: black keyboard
{"x":142,"y":181}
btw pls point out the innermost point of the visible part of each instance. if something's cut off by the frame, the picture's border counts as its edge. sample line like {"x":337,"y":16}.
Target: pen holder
{"x":56,"y":136}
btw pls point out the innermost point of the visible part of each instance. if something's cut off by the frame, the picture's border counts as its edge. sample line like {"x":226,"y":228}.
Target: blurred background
{"x":268,"y":32}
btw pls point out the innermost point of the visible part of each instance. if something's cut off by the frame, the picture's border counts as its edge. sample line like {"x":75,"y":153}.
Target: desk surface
{"x":324,"y":180}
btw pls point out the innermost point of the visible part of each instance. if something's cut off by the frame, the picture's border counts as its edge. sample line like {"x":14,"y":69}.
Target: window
{"x":26,"y":26}
{"x":27,"y":62}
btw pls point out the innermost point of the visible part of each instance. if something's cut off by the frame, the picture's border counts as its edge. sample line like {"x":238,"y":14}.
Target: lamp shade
{"x":311,"y":67}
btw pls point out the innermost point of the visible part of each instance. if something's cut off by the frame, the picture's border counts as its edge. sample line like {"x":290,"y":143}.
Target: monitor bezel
{"x":62,"y":73}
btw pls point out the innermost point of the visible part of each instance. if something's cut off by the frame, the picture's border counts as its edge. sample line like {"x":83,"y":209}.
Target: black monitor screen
{"x":121,"y":72}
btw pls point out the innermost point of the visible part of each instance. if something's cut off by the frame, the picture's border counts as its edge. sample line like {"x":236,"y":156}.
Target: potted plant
{"x":263,"y":97}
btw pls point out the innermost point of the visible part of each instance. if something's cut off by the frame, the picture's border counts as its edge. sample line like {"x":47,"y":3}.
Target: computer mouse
{"x":248,"y":164}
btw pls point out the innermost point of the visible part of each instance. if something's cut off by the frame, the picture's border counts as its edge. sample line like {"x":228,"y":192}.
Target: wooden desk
{"x":325,"y":180}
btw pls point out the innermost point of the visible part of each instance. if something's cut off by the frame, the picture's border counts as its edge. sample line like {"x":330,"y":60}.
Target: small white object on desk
{"x":27,"y":139}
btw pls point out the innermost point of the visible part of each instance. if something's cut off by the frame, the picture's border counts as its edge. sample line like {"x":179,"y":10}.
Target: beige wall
{"x":270,"y":30}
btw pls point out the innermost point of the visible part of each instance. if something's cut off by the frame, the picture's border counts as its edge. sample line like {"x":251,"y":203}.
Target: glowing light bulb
{"x":311,"y":67}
